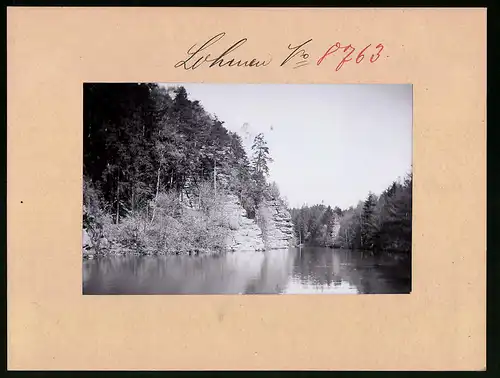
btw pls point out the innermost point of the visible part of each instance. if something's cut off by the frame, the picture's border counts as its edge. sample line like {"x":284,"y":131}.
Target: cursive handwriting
{"x":297,"y":57}
{"x":302,"y":54}
{"x":196,"y":59}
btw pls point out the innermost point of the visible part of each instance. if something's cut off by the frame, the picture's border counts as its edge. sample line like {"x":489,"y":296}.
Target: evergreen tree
{"x":377,"y":223}
{"x":259,"y":171}
{"x":260,"y":156}
{"x":368,"y":222}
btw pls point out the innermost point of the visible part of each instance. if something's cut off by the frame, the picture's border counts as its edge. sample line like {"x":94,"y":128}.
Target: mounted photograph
{"x":198,"y":188}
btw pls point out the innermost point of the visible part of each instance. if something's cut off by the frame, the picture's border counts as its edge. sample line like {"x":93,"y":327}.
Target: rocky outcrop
{"x":276,"y":225}
{"x":244,"y":233}
{"x":91,"y":246}
{"x":273,"y":229}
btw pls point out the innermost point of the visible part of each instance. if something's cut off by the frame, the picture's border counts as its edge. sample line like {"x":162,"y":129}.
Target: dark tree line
{"x":142,"y":139}
{"x":378,"y":223}
{"x":316,"y":225}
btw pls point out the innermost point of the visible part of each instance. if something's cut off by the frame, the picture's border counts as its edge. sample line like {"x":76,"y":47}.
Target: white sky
{"x":331,"y":143}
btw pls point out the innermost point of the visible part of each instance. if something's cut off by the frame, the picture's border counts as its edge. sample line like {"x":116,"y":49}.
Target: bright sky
{"x":331,"y":143}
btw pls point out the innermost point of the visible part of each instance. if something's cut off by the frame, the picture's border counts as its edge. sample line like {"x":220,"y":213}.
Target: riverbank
{"x":213,"y":225}
{"x":374,"y":251}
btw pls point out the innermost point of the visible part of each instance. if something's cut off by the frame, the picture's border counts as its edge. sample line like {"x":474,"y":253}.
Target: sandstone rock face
{"x":244,"y":234}
{"x":276,"y":224}
{"x":273,"y":229}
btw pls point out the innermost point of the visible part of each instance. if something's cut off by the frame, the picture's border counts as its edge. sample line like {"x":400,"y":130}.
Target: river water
{"x":294,"y":271}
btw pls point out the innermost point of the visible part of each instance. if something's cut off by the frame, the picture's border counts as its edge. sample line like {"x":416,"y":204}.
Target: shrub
{"x":171,"y":228}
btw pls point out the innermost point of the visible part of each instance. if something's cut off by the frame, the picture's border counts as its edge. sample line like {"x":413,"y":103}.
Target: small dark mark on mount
{"x":21,"y":201}
{"x":221,"y":317}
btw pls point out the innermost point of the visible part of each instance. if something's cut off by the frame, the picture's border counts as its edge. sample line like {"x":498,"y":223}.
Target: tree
{"x":260,"y":156}
{"x":379,"y":224}
{"x":142,"y":138}
{"x":144,"y":143}
{"x":259,"y":170}
{"x":315,"y":225}
{"x":328,"y":222}
{"x":338,"y":211}
{"x":117,"y":121}
{"x":368,"y":226}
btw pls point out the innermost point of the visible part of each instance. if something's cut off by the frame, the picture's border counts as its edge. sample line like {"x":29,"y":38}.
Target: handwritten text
{"x":196,"y":59}
{"x":297,"y":56}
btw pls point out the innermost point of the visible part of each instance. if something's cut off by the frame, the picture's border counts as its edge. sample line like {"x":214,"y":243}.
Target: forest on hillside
{"x":158,"y":167}
{"x":148,"y":150}
{"x":379,"y":223}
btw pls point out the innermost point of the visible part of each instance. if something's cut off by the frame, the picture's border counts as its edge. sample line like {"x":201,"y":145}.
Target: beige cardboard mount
{"x":439,"y":326}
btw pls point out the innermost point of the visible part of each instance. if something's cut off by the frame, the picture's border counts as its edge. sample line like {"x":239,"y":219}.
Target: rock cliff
{"x":273,"y":229}
{"x":244,"y":233}
{"x":276,"y":225}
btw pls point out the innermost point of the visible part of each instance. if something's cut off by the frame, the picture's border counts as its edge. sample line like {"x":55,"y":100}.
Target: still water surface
{"x":293,"y":271}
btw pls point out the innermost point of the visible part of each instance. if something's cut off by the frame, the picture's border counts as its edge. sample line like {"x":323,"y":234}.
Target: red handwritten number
{"x":361,"y":55}
{"x":381,"y":47}
{"x":328,"y":52}
{"x":334,"y":48}
{"x":345,"y":59}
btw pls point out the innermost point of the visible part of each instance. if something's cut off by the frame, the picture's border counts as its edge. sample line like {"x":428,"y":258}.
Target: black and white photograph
{"x":206,"y":188}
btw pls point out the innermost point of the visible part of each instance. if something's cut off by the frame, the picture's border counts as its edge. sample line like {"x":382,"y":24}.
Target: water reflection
{"x":292,"y":271}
